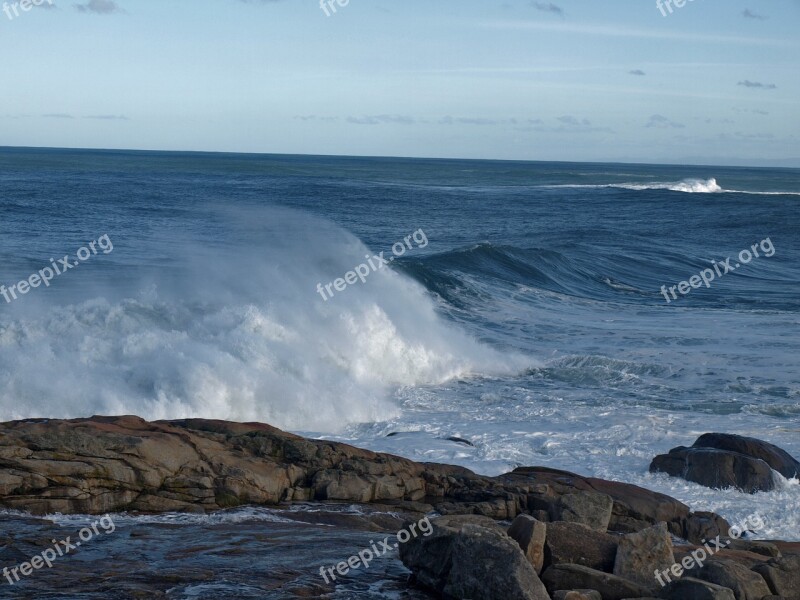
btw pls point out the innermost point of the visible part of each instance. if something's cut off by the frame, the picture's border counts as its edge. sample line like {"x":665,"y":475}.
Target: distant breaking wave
{"x":688,"y":186}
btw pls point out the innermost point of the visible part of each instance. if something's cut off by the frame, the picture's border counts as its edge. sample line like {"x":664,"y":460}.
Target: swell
{"x":467,"y":277}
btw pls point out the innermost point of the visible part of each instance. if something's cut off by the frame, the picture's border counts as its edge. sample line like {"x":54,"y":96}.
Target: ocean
{"x":522,"y":310}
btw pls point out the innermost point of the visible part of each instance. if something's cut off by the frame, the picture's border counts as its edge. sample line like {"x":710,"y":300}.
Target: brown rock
{"x":572,"y":543}
{"x":782,"y":576}
{"x":641,"y":554}
{"x":610,"y":587}
{"x":530,"y":534}
{"x":577,"y":595}
{"x":689,"y":588}
{"x":470,"y":556}
{"x":743,"y":582}
{"x":587,"y":508}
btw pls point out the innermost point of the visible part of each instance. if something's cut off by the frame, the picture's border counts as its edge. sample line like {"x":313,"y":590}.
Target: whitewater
{"x":530,"y":330}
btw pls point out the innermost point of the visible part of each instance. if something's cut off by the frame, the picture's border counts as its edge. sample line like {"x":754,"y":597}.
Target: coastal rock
{"x":577,"y":595}
{"x":114,"y":464}
{"x":465,"y":557}
{"x":717,"y":469}
{"x":572,"y":543}
{"x":689,"y":588}
{"x":720,"y":461}
{"x":782,"y":576}
{"x":634,"y":508}
{"x":587,"y":508}
{"x":641,"y":554}
{"x":743,"y":582}
{"x":530,"y":534}
{"x":756,"y":547}
{"x":487,"y":565}
{"x":610,"y":587}
{"x":777,"y":458}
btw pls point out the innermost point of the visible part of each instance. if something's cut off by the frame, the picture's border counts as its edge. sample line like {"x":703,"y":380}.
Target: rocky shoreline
{"x":567,"y":532}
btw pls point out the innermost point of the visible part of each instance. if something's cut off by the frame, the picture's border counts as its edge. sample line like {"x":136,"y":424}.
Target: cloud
{"x":754,"y":136}
{"x":108,"y":117}
{"x":381,"y":119}
{"x":570,"y":120}
{"x":479,"y":121}
{"x":637,"y":72}
{"x":757,"y":84}
{"x":662,"y":122}
{"x":99,"y":7}
{"x":315,"y":118}
{"x":58,"y":116}
{"x":568,"y":124}
{"x":749,"y":14}
{"x":548,"y":7}
{"x":448,"y":120}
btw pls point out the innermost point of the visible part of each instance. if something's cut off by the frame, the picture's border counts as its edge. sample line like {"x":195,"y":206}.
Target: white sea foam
{"x":240,"y":334}
{"x":688,"y":186}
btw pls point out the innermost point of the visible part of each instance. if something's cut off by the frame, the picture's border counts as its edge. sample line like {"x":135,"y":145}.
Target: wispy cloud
{"x":662,"y":122}
{"x":565,"y":124}
{"x":58,"y":116}
{"x":637,"y":72}
{"x":757,"y":84}
{"x":548,"y":7}
{"x":381,"y":119}
{"x":749,"y":14}
{"x":316,"y":118}
{"x":99,"y":7}
{"x":651,"y":34}
{"x":108,"y":117}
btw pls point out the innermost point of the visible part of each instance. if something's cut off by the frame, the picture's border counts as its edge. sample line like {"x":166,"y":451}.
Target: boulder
{"x":577,"y":595}
{"x":756,"y":547}
{"x":610,"y":587}
{"x":777,"y":458}
{"x":587,"y":508}
{"x":471,"y":557}
{"x":634,"y":508}
{"x":689,"y":588}
{"x":718,"y":469}
{"x":572,"y":543}
{"x":640,"y":554}
{"x":530,"y":534}
{"x":782,"y":576}
{"x":487,"y":565}
{"x":720,"y":460}
{"x":743,"y":582}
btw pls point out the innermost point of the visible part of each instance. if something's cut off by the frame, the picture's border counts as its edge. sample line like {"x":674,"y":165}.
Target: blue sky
{"x":714,"y":81}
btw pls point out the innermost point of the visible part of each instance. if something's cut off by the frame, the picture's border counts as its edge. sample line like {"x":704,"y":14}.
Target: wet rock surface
{"x":720,"y":461}
{"x":211,"y":509}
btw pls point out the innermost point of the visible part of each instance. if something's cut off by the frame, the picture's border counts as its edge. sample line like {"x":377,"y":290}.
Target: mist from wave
{"x":237,"y":331}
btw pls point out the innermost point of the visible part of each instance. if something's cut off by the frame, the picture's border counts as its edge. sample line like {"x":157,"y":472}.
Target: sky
{"x":709,"y":82}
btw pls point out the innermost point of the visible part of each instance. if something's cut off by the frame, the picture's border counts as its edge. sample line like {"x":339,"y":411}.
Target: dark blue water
{"x":531,"y":321}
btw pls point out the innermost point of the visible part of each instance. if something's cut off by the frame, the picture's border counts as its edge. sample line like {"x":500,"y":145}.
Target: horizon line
{"x":442,"y":158}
